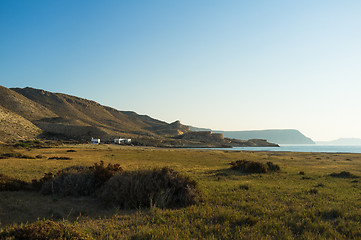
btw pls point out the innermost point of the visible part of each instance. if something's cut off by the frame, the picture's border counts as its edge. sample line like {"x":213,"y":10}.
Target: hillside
{"x":34,"y":113}
{"x":15,"y":127}
{"x":57,"y":115}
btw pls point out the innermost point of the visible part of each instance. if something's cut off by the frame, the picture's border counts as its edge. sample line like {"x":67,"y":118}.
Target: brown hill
{"x":23,"y":106}
{"x":67,"y":116}
{"x":15,"y":127}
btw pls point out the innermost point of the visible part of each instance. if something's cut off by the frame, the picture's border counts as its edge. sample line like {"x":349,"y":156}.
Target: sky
{"x":224,"y":65}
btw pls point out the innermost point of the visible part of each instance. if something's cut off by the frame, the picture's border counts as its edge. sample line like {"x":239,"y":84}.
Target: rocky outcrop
{"x":217,"y":139}
{"x":172,"y":129}
{"x":203,"y":136}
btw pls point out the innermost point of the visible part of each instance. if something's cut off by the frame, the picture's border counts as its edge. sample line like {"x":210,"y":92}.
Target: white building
{"x":95,"y":141}
{"x":122,"y":140}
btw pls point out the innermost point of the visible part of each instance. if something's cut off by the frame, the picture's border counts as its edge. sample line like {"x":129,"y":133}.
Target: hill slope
{"x":15,"y":127}
{"x":67,"y":116}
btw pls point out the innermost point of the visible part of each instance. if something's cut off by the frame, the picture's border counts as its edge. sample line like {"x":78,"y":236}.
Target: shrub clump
{"x":343,"y":174}
{"x":43,"y":230}
{"x":254,"y":167}
{"x":77,"y":180}
{"x":15,"y":155}
{"x":11,"y":184}
{"x":59,"y":158}
{"x":147,"y":188}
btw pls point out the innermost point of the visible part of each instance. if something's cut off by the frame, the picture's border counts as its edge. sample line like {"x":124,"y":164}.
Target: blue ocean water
{"x":302,"y":148}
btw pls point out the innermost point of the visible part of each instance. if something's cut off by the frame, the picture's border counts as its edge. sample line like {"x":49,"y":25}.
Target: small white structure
{"x":122,"y":140}
{"x":95,"y":141}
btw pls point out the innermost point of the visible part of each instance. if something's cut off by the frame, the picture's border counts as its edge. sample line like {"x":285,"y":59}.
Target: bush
{"x":11,"y":184}
{"x":70,"y":184}
{"x":146,"y":188}
{"x":254,"y":167}
{"x":343,"y":174}
{"x":273,"y":167}
{"x":43,"y":230}
{"x":77,"y":180}
{"x":249,"y":166}
{"x":15,"y":155}
{"x":59,"y":158}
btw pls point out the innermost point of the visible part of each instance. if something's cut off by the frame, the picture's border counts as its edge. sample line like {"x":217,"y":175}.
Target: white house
{"x":95,"y":141}
{"x":122,"y":140}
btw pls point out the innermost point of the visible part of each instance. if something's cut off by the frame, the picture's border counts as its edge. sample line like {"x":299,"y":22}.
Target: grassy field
{"x":302,"y":201}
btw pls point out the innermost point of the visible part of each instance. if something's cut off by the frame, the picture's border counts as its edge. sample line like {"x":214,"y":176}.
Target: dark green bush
{"x":77,"y":180}
{"x":16,"y":155}
{"x":22,"y":144}
{"x":43,"y":230}
{"x":249,"y":166}
{"x":254,"y":167}
{"x":146,"y":188}
{"x":11,"y":184}
{"x":272,"y":167}
{"x":343,"y":174}
{"x":331,"y":214}
{"x":59,"y":158}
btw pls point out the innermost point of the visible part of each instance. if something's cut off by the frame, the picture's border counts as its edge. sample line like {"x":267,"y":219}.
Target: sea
{"x":302,"y":148}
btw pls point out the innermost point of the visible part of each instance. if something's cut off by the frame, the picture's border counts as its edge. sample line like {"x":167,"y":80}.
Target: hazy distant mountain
{"x":342,"y":141}
{"x":279,"y":136}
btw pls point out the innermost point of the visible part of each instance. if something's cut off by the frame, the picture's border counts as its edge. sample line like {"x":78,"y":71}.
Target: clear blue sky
{"x":230,"y":65}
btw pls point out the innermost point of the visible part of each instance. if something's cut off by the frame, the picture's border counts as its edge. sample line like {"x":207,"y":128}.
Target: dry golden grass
{"x":283,"y":205}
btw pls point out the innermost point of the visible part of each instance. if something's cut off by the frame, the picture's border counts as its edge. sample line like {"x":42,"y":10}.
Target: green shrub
{"x":254,"y":167}
{"x":43,"y":230}
{"x":16,"y":155}
{"x":22,"y":144}
{"x":249,"y":166}
{"x":146,"y":188}
{"x":70,"y":184}
{"x":59,"y":158}
{"x":331,"y":214}
{"x":273,"y":167}
{"x":77,"y":180}
{"x":11,"y":184}
{"x":343,"y":174}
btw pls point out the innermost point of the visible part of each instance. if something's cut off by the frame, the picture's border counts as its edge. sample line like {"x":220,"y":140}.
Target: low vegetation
{"x":150,"y":188}
{"x":245,"y":166}
{"x":44,"y":230}
{"x":11,"y":184}
{"x":59,"y":158}
{"x":77,"y":180}
{"x":343,"y":174}
{"x":300,"y":201}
